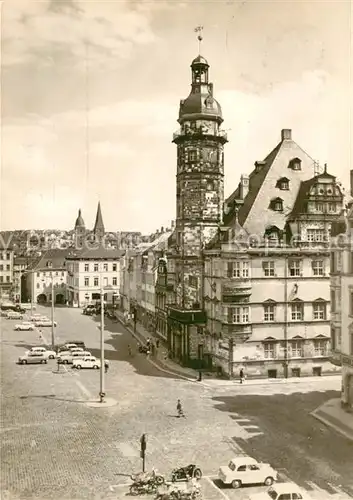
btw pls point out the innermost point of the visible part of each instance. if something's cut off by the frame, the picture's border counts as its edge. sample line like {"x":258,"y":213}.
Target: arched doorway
{"x":42,"y":298}
{"x":59,"y":299}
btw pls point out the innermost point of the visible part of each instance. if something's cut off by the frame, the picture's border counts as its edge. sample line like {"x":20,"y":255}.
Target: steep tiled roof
{"x":256,"y":179}
{"x":54,"y":256}
{"x":96,"y":253}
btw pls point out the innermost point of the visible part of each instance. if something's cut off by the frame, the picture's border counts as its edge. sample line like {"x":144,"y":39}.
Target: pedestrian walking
{"x":40,"y":336}
{"x":148,"y":342}
{"x":180,"y":411}
{"x":157,"y":343}
{"x":129,"y":350}
{"x":241,"y":375}
{"x":106,"y":366}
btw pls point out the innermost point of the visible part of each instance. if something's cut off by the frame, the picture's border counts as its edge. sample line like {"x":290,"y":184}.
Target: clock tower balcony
{"x":181,"y":135}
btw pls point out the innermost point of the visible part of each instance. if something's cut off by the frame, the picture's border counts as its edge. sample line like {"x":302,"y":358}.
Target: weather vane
{"x":199,"y":30}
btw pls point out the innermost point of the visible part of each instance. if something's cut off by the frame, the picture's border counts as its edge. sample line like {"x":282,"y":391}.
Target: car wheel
{"x":24,"y":362}
{"x":51,"y":357}
{"x":95,"y":367}
{"x":78,"y":367}
{"x":197,"y":473}
{"x":236,"y":484}
{"x":65,"y":362}
{"x":268,"y":481}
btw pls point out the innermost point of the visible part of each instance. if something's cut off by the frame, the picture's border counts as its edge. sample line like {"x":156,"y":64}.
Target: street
{"x":56,"y":446}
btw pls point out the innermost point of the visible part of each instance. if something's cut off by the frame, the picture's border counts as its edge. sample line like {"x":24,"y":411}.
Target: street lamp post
{"x":101,"y":391}
{"x":52,"y":312}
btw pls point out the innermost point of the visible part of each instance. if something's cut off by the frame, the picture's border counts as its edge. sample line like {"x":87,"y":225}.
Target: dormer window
{"x":295,"y":164}
{"x":276,"y":204}
{"x":283,"y":184}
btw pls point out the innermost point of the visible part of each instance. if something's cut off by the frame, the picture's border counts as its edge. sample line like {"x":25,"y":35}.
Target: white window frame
{"x":95,"y":267}
{"x":295,"y":267}
{"x":319,"y":311}
{"x":96,"y":281}
{"x":240,"y":314}
{"x":318,"y":267}
{"x":268,"y":267}
{"x":315,"y":235}
{"x":297,"y":348}
{"x":269,"y":313}
{"x":269,"y":350}
{"x":115,"y":281}
{"x":297,"y":311}
{"x":86,"y":268}
{"x":320,"y":347}
{"x":86,"y":280}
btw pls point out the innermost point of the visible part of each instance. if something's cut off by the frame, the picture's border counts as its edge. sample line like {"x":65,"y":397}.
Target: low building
{"x":6,"y":272}
{"x":46,"y":276}
{"x":90,"y":270}
{"x":342,"y":301}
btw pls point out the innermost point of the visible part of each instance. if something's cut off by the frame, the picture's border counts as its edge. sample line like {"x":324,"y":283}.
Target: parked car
{"x":70,"y":345}
{"x":281,"y":491}
{"x":246,"y":470}
{"x":45,"y":322}
{"x":14,"y":315}
{"x":47,"y":352}
{"x":13,"y":307}
{"x":28,"y":307}
{"x":69,"y":358}
{"x":33,"y":358}
{"x":37,"y":317}
{"x":25,"y":326}
{"x":88,"y":362}
{"x":89,"y":310}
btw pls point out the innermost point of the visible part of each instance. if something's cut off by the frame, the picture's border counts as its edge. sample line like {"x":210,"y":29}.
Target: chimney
{"x":162,"y":229}
{"x":172,"y":224}
{"x":244,"y":186}
{"x":286,"y":134}
{"x":351,"y":172}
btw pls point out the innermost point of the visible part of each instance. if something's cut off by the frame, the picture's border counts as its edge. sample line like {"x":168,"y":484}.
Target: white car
{"x":28,"y":306}
{"x":68,"y":352}
{"x":281,"y":491}
{"x":33,"y":358}
{"x":68,"y":359}
{"x":88,"y":362}
{"x":38,"y":317}
{"x":45,"y":322}
{"x":14,"y":315}
{"x":25,"y":326}
{"x":246,"y":470}
{"x":43,"y":350}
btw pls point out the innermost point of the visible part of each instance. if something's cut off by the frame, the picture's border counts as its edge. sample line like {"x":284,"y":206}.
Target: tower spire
{"x":98,"y":229}
{"x":199,"y":30}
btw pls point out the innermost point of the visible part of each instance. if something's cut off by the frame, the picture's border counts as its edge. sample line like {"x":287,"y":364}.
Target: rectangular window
{"x":238,"y":269}
{"x":297,"y":312}
{"x":105,"y":267}
{"x":294,"y":267}
{"x":238,"y":315}
{"x":115,"y":281}
{"x":8,"y":279}
{"x":7,"y":267}
{"x":193,"y":155}
{"x":319,"y":310}
{"x":86,"y":281}
{"x":193,"y":281}
{"x":332,"y":207}
{"x":1,"y":267}
{"x":269,"y":268}
{"x":95,"y":267}
{"x":86,"y":268}
{"x":318,"y":267}
{"x":269,"y":312}
{"x":1,"y":279}
{"x":316,"y":235}
{"x":115,"y":267}
{"x":269,"y":350}
{"x":320,"y":348}
{"x":96,"y":281}
{"x":297,"y":349}
{"x":320,"y":207}
{"x":38,"y":285}
{"x":8,"y":256}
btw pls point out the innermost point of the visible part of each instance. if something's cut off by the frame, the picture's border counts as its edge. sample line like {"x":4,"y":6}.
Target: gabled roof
{"x":96,"y":253}
{"x":51,"y":259}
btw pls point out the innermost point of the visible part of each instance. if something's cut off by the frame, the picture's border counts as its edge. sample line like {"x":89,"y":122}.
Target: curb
{"x":169,"y":372}
{"x":328,"y":423}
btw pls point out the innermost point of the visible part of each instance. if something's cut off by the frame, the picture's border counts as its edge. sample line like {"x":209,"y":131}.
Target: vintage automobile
{"x":46,"y":352}
{"x":33,"y":358}
{"x":246,"y":470}
{"x":281,"y":491}
{"x":25,"y":326}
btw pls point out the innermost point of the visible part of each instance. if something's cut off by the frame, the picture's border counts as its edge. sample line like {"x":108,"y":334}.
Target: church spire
{"x":79,"y":221}
{"x":98,"y":229}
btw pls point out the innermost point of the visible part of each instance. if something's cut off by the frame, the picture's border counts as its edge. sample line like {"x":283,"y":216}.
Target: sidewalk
{"x":332,"y":415}
{"x":166,"y":365}
{"x":160,"y":358}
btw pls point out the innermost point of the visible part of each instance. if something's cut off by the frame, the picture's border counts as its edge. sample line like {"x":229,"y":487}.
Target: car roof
{"x":244,"y":460}
{"x":284,"y":487}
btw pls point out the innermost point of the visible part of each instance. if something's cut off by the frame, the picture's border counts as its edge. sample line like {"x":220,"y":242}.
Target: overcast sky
{"x":91,"y":90}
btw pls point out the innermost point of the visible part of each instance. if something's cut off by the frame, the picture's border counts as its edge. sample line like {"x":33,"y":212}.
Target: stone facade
{"x":6,"y":272}
{"x":342,"y":304}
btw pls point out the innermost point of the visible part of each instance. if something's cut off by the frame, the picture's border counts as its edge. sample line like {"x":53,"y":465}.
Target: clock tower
{"x":199,"y":202}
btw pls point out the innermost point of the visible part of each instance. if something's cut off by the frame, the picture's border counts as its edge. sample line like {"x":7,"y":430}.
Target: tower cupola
{"x":79,"y":221}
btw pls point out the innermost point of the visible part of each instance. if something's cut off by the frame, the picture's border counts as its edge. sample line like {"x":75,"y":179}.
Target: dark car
{"x":13,"y":307}
{"x":89,"y":310}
